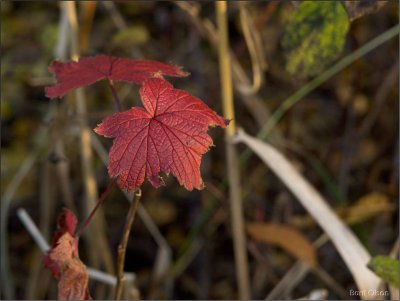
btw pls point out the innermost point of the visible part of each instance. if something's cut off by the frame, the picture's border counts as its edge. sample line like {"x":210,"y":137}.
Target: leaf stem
{"x":114,"y":93}
{"x":124,"y":242}
{"x":99,"y":202}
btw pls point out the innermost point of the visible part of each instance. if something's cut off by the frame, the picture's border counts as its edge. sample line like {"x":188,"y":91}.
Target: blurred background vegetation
{"x":342,"y":137}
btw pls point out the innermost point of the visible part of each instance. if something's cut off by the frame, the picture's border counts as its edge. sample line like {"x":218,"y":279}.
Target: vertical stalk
{"x":97,"y":237}
{"x":124,"y":242}
{"x":237,"y":221}
{"x":87,"y":14}
{"x":225,"y":67}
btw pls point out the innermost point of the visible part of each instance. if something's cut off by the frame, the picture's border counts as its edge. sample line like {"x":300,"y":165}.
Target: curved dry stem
{"x":253,"y":45}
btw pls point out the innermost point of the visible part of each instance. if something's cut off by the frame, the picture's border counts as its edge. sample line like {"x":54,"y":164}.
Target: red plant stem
{"x":99,"y":202}
{"x":114,"y":93}
{"x":124,"y":243}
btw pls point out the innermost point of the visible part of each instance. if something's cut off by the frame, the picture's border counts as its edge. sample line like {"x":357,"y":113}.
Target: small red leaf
{"x":169,"y":135}
{"x":64,"y":263}
{"x":89,"y":70}
{"x":66,"y":224}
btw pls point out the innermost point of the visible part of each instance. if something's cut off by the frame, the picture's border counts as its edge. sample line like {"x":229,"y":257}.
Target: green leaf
{"x":387,"y":268}
{"x":131,"y":36}
{"x":314,"y":36}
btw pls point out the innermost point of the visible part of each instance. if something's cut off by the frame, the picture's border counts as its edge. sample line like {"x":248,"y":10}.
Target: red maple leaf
{"x":169,"y":135}
{"x":64,"y":263}
{"x":89,"y":70}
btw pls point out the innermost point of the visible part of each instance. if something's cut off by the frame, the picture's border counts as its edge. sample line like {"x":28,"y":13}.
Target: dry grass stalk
{"x":239,"y":239}
{"x":349,"y":247}
{"x":97,"y":237}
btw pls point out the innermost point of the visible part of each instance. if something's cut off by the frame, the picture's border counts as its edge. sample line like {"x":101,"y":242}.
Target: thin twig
{"x":114,"y":93}
{"x":237,"y":221}
{"x":99,"y":202}
{"x":124,"y":242}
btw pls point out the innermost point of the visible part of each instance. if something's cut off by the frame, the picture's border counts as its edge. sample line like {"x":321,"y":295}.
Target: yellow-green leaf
{"x":134,"y":35}
{"x":387,"y":268}
{"x":314,"y":36}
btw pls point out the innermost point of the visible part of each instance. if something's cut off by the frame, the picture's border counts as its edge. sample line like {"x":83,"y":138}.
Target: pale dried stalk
{"x":97,"y":236}
{"x":349,"y":247}
{"x":47,"y":185}
{"x":254,"y":46}
{"x":239,"y":239}
{"x":225,"y":67}
{"x":253,"y":102}
{"x":87,"y":14}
